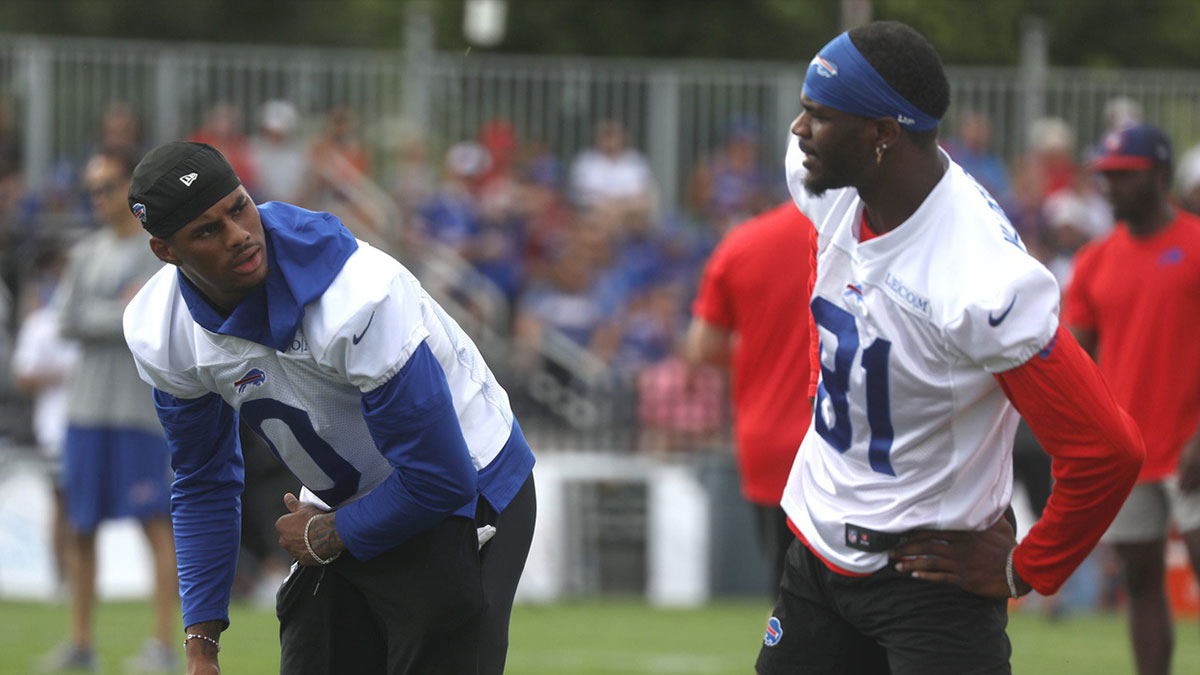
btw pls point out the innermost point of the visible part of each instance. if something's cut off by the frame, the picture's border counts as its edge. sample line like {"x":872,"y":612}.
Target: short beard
{"x":818,"y":187}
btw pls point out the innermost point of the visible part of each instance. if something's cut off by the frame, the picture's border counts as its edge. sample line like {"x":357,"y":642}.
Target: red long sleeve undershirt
{"x":1097,"y":451}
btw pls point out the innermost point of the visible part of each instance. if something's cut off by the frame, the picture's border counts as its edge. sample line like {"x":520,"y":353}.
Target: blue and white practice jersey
{"x":910,"y":428}
{"x":359,"y":334}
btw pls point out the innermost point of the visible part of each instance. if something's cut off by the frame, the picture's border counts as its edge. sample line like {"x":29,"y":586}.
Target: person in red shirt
{"x":751,"y":314}
{"x":1132,"y":303}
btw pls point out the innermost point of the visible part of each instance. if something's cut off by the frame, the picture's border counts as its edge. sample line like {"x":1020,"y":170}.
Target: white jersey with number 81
{"x":910,"y":428}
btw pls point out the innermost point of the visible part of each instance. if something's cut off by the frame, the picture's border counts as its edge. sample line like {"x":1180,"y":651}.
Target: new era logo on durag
{"x":188,"y":179}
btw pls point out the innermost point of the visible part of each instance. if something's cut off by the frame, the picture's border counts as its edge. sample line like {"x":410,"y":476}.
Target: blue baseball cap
{"x":1133,"y":148}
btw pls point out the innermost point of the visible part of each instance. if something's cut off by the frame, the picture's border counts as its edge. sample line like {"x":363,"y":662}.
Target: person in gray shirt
{"x":115,"y":459}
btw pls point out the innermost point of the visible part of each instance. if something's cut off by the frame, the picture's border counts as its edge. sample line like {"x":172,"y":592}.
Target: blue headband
{"x":841,"y":78}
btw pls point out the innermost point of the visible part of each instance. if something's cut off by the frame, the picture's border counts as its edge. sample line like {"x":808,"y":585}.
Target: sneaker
{"x":69,"y":658}
{"x":155,"y":657}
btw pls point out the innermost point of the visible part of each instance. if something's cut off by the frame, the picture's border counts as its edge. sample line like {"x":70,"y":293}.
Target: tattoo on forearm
{"x":324,"y":538}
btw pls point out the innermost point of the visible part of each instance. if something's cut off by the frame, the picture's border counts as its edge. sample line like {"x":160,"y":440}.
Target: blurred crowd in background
{"x":582,"y":245}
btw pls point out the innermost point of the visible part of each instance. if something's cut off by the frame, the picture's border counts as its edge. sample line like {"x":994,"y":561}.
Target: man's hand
{"x":973,"y":561}
{"x":202,"y":654}
{"x":322,"y":534}
{"x":1188,"y":470}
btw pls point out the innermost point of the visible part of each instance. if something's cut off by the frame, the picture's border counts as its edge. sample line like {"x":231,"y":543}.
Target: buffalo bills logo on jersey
{"x":1171,"y":256}
{"x":825,"y":67}
{"x":139,"y":210}
{"x":254,"y":376}
{"x":774,"y":632}
{"x":853,"y":292}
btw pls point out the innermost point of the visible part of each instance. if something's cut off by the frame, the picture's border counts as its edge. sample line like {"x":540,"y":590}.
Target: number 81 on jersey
{"x":835,"y":386}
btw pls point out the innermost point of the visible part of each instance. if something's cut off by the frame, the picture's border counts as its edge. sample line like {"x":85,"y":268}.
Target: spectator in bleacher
{"x":222,"y":129}
{"x":649,"y":328}
{"x":499,"y":138}
{"x":115,"y":459}
{"x":119,"y":131}
{"x":570,"y":301}
{"x":1187,"y":180}
{"x":496,"y":248}
{"x":42,"y":361}
{"x":547,"y":213}
{"x":339,"y":147}
{"x":1047,"y":167}
{"x":732,"y":184}
{"x":611,"y":173}
{"x":680,"y":406}
{"x":973,"y":151}
{"x":1071,"y":218}
{"x":1121,"y":112}
{"x":340,"y":166}
{"x":411,"y":179}
{"x":1050,"y":163}
{"x":451,"y":215}
{"x":279,"y":155}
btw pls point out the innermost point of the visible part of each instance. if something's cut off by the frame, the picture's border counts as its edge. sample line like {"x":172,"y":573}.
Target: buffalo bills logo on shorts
{"x":774,"y":632}
{"x":252,"y":377}
{"x":139,"y":210}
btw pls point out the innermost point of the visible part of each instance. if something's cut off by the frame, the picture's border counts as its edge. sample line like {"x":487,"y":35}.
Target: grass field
{"x":597,"y":638}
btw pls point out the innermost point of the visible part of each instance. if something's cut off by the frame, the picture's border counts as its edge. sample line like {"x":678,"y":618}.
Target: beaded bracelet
{"x":197,"y":636}
{"x":308,"y":546}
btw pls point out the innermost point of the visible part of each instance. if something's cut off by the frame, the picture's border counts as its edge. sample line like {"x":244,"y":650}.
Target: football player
{"x":936,"y":327}
{"x":406,"y":446}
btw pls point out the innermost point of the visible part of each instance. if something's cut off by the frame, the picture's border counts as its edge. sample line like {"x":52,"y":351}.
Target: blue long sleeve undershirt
{"x":205,"y":500}
{"x":414,"y":424}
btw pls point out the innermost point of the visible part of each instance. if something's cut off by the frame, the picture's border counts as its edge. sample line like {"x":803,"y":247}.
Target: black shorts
{"x":434,"y":604}
{"x":416,"y":608}
{"x":887,"y":622}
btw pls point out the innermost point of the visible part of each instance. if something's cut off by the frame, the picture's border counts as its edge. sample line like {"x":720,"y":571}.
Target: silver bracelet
{"x":1008,"y":573}
{"x":197,"y":636}
{"x":321,"y":561}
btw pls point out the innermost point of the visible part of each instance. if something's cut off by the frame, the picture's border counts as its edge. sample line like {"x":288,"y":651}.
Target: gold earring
{"x":879,"y":152}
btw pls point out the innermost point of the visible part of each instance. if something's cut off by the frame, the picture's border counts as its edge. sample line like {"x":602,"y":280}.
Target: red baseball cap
{"x":1133,"y":148}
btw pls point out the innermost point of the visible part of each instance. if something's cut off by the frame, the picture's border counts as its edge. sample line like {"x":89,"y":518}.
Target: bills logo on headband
{"x":139,"y":210}
{"x":825,"y":67}
{"x":774,"y":632}
{"x":254,"y":376}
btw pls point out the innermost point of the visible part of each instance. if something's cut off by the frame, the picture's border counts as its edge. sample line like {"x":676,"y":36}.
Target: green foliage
{"x":1129,"y":33}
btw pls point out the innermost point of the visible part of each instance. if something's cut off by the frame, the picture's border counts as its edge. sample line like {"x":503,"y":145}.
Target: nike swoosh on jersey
{"x":995,"y":320}
{"x":358,"y":338}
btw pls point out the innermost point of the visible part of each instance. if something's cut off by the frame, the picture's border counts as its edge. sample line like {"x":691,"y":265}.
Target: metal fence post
{"x":788,"y":86}
{"x":662,"y":138}
{"x":37,"y":71}
{"x":418,"y":62}
{"x":1032,"y":73}
{"x":167,"y":96}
